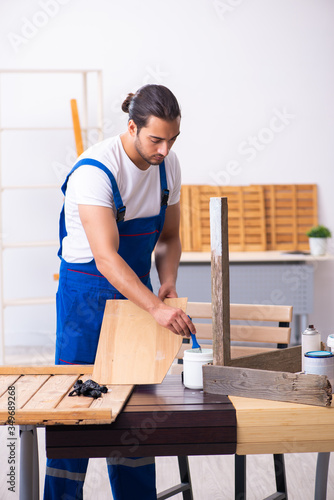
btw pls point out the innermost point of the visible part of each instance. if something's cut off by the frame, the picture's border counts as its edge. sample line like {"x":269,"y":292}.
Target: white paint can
{"x":320,"y":363}
{"x":193,"y":360}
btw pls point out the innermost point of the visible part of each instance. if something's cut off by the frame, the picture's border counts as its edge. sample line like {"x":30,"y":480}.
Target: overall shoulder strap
{"x":120,"y":208}
{"x":117,"y":196}
{"x":164,"y":187}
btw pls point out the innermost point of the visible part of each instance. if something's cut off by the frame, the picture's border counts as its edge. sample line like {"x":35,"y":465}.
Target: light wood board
{"x":280,"y":427}
{"x":133,"y":348}
{"x":40,"y":396}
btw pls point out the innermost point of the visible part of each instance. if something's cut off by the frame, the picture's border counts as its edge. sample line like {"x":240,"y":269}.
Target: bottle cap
{"x":310,"y":330}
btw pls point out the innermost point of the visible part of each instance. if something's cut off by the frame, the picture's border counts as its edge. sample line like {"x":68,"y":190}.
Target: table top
{"x":256,"y":257}
{"x":168,"y":419}
{"x":158,"y":420}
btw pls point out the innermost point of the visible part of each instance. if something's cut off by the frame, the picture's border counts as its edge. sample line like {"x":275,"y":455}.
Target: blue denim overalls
{"x":81,"y":298}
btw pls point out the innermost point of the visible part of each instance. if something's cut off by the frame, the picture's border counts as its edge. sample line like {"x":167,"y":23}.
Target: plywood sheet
{"x":133,"y":348}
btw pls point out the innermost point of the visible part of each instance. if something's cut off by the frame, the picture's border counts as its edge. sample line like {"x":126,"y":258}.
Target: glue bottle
{"x":311,"y":341}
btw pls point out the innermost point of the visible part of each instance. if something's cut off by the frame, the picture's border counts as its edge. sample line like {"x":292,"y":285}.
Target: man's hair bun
{"x":126,"y":103}
{"x":151,"y":100}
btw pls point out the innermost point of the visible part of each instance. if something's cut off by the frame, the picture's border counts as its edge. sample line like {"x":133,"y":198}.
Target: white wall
{"x":237,"y":68}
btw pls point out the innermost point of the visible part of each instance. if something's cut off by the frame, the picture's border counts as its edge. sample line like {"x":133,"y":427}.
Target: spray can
{"x":311,"y":341}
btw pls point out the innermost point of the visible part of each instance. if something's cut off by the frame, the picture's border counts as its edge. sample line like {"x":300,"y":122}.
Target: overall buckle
{"x":164,"y":197}
{"x":120,"y":214}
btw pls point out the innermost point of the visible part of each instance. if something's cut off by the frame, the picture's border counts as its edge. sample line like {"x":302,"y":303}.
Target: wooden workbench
{"x":184,"y":421}
{"x":157,"y":420}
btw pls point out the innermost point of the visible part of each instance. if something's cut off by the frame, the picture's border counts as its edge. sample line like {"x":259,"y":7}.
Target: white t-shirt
{"x":88,"y":185}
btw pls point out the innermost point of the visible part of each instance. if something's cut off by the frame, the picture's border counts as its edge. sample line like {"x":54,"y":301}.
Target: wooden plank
{"x":156,"y":435}
{"x":293,"y":446}
{"x":239,"y":351}
{"x":261,"y":312}
{"x":247,"y":333}
{"x":68,"y":402}
{"x":196,"y":227}
{"x":25,"y":387}
{"x":76,"y":127}
{"x":189,"y":408}
{"x":23,"y":417}
{"x":253,"y":412}
{"x":185,"y":222}
{"x":52,"y":392}
{"x":6,"y":381}
{"x":241,"y":221}
{"x":115,"y":394}
{"x":164,"y":450}
{"x":46,"y":370}
{"x":282,"y":432}
{"x":133,"y":348}
{"x":247,"y":312}
{"x":279,"y":386}
{"x":220,"y":281}
{"x":116,"y":398}
{"x":287,"y":360}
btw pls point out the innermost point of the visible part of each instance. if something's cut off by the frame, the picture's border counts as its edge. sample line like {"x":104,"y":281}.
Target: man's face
{"x":154,"y":141}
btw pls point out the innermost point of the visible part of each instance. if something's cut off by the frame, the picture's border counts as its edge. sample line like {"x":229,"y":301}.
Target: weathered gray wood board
{"x":220,"y":281}
{"x":280,"y":386}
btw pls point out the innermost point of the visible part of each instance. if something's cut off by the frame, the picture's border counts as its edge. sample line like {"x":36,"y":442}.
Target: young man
{"x":120,"y":205}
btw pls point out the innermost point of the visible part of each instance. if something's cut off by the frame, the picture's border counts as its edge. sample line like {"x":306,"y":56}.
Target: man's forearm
{"x":167,"y":258}
{"x":125,"y":280}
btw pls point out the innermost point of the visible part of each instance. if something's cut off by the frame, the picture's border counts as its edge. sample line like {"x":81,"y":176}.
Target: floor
{"x":212,"y":476}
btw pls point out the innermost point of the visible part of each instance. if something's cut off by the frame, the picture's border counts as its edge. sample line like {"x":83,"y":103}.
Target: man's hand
{"x":174,"y":319}
{"x":167,"y":291}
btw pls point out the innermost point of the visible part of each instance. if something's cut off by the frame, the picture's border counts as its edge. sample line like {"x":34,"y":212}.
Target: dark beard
{"x":148,"y":159}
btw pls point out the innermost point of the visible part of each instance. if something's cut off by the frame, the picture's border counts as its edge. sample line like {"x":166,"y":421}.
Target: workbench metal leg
{"x":240,"y":477}
{"x":185,"y":477}
{"x":321,"y":476}
{"x":29,"y":468}
{"x":184,"y":487}
{"x":280,"y":475}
